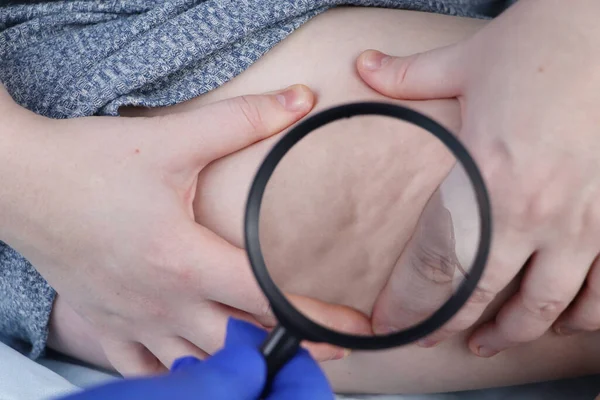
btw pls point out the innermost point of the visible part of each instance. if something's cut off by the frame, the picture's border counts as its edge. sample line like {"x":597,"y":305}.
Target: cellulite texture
{"x":66,"y":59}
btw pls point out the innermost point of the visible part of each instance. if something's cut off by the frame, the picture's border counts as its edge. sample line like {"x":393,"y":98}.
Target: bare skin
{"x":321,"y":55}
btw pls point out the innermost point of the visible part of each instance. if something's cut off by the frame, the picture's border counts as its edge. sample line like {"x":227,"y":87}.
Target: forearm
{"x":27,"y":299}
{"x":11,"y":120}
{"x":18,"y":141}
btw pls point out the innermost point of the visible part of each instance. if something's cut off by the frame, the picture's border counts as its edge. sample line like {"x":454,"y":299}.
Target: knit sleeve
{"x":25,"y":303}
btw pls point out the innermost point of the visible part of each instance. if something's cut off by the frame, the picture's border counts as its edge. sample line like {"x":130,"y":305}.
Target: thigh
{"x":321,"y":55}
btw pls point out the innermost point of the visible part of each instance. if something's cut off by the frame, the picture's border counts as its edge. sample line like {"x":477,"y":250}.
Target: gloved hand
{"x":237,"y":372}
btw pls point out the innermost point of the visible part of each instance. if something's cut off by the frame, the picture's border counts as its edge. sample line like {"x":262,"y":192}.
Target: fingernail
{"x":427,"y":342}
{"x":341,"y":354}
{"x":565,"y":330}
{"x":486,"y":352}
{"x":294,"y":98}
{"x":374,"y":60}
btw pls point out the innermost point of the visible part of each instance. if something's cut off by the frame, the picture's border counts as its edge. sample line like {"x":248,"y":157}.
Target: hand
{"x":237,"y":372}
{"x":70,"y":334}
{"x":529,"y":87}
{"x":103,"y":208}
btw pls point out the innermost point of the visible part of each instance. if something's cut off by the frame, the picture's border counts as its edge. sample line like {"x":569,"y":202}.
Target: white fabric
{"x":23,"y":379}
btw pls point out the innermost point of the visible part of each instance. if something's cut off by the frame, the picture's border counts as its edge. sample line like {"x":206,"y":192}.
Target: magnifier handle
{"x":278,"y":349}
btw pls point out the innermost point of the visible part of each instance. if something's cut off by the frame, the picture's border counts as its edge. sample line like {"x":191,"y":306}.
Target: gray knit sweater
{"x":66,"y":59}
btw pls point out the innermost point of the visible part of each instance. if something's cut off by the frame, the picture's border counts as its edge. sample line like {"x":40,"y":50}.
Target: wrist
{"x":17,"y":138}
{"x":70,"y":334}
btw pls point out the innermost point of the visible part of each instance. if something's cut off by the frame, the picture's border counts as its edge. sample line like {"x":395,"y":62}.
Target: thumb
{"x":433,"y":74}
{"x":422,"y":279}
{"x":335,"y":317}
{"x":221,"y":128}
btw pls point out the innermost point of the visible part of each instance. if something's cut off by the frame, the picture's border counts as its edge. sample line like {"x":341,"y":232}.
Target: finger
{"x":206,"y":326}
{"x":168,"y":349}
{"x":422,"y":279}
{"x":339,"y":318}
{"x":507,"y":257}
{"x":235,"y":372}
{"x":243,"y":333}
{"x":222,"y":128}
{"x":584,"y":314}
{"x":551,"y":281}
{"x":301,"y":378}
{"x":433,"y":74}
{"x":218,"y":271}
{"x":335,"y":317}
{"x":184,"y":363}
{"x":263,"y":322}
{"x":240,"y":333}
{"x":131,"y":359}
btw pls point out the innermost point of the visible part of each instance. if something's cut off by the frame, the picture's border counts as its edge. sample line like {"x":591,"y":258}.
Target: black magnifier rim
{"x":293,"y":320}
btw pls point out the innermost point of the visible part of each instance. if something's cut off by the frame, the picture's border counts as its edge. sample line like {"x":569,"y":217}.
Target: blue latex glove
{"x":237,"y":372}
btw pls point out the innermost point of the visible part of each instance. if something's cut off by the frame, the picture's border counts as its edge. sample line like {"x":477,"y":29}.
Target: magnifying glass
{"x":377,"y":199}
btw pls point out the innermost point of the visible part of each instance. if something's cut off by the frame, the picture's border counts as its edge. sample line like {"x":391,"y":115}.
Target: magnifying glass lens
{"x":369,"y":215}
